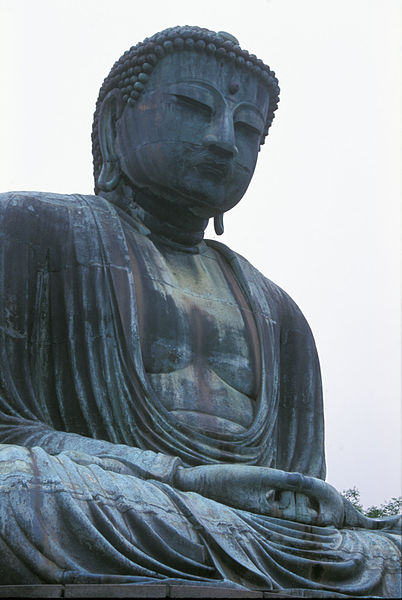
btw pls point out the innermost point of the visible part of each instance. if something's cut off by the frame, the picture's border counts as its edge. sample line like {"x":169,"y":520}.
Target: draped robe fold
{"x":88,"y":451}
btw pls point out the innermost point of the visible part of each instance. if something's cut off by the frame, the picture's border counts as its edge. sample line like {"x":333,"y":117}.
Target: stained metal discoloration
{"x":161,"y":413}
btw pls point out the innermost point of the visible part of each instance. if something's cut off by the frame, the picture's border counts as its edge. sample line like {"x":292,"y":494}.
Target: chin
{"x":207,"y":203}
{"x":205,"y":208}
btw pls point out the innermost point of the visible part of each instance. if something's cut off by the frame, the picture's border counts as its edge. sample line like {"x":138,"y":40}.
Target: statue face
{"x":193,"y":136}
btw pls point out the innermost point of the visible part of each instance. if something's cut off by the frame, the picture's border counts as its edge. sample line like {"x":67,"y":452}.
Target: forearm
{"x":241,"y":486}
{"x":133,"y":461}
{"x":267,"y":491}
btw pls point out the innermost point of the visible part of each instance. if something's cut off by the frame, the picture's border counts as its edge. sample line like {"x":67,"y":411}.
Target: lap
{"x":83,"y":520}
{"x":74,"y":518}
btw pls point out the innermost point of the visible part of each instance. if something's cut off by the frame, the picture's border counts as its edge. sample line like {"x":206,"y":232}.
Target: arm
{"x":271,"y":492}
{"x":61,"y":360}
{"x":121,"y":458}
{"x":276,"y":493}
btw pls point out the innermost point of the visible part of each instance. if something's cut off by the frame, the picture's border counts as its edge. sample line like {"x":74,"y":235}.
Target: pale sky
{"x":322,"y":215}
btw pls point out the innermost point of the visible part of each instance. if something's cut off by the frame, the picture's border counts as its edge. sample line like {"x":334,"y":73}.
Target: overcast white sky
{"x":322,"y":215}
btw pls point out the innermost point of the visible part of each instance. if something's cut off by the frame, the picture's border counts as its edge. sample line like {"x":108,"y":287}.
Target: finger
{"x":287,"y":501}
{"x":305,"y":513}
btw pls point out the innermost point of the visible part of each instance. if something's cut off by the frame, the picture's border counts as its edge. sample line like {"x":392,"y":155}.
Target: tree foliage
{"x":387,"y":509}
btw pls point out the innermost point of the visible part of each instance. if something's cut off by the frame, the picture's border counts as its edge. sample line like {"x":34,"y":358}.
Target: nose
{"x":220,"y":137}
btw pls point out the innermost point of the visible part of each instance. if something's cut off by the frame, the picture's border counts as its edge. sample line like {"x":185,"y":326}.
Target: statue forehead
{"x":221,"y":74}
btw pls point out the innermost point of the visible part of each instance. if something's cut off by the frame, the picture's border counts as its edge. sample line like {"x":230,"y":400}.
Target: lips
{"x":216,"y":168}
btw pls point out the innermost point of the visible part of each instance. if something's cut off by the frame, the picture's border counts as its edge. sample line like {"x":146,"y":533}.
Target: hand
{"x":266,"y":491}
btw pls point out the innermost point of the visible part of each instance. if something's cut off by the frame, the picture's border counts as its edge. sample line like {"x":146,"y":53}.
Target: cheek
{"x":161,"y":163}
{"x":247,"y":159}
{"x":152,"y":160}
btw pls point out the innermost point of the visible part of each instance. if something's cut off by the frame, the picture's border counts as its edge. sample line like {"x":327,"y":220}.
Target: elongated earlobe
{"x":218,"y":224}
{"x":110,"y":174}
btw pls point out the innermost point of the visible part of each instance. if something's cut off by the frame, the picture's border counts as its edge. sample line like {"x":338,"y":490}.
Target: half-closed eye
{"x":249,"y":121}
{"x":194,"y":104}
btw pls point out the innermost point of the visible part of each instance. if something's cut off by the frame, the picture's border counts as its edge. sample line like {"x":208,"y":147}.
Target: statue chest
{"x":198,"y":340}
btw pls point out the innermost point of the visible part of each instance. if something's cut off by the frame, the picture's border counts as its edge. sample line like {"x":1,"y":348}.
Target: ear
{"x":218,"y":224}
{"x":111,"y":110}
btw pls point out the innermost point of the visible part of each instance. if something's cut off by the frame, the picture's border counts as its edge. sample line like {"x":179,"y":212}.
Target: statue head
{"x":183,"y":115}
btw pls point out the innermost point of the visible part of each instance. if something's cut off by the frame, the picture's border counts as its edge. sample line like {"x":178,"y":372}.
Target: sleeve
{"x":43,"y":398}
{"x":300,"y":412}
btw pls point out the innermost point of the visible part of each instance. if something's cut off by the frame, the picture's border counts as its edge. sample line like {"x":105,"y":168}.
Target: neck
{"x":167,"y":222}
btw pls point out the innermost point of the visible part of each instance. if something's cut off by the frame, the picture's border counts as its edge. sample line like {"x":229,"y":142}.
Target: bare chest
{"x":198,"y":341}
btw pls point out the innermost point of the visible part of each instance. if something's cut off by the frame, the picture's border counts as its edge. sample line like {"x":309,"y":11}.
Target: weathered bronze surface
{"x":158,"y":590}
{"x":161,"y":410}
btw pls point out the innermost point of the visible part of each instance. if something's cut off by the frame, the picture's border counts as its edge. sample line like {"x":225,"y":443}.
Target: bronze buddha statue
{"x":161,"y":409}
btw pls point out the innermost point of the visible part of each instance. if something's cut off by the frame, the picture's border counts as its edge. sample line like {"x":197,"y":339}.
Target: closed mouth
{"x":218,"y":169}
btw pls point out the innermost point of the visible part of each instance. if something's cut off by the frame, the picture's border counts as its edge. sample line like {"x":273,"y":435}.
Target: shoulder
{"x":29,"y":215}
{"x":264,"y":291}
{"x":56,"y":229}
{"x":36,"y":204}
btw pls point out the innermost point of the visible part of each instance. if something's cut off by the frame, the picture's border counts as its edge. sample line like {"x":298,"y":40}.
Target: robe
{"x":88,"y":451}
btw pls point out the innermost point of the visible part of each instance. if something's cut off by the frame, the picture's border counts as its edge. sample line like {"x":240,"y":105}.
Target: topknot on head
{"x":131,"y":71}
{"x":229,"y":37}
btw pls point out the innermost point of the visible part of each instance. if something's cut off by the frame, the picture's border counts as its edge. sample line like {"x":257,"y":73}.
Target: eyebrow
{"x":209,"y":88}
{"x":184,"y":85}
{"x":252,"y":107}
{"x":195,"y":83}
